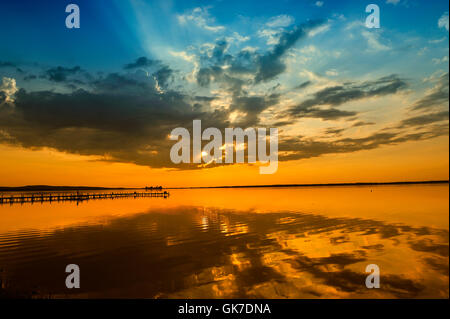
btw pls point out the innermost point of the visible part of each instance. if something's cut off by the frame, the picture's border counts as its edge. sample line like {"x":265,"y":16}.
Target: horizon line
{"x":53,"y":187}
{"x":318,"y":184}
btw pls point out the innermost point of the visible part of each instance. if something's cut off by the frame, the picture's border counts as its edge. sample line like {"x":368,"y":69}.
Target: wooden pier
{"x":74,"y":197}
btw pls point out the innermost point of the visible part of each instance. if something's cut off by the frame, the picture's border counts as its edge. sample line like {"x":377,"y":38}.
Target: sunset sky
{"x":95,"y":106}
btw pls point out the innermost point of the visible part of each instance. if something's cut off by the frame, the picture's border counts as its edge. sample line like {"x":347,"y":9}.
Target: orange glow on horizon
{"x":412,"y":161}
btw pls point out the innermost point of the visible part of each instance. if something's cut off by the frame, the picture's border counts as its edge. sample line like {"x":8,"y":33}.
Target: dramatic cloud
{"x":120,"y":119}
{"x":324,"y":114}
{"x":424,"y":119}
{"x":125,"y":117}
{"x":60,"y":74}
{"x":347,"y":92}
{"x":247,"y":67}
{"x":4,"y":64}
{"x":303,"y":85}
{"x":139,"y":63}
{"x":270,"y":64}
{"x":335,"y":131}
{"x":299,"y":147}
{"x":362,"y":123}
{"x":127,"y":114}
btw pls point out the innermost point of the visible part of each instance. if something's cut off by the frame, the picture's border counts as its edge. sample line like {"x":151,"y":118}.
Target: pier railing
{"x":74,"y":197}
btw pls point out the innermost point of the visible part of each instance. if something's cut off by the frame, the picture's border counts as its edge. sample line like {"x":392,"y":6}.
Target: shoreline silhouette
{"x":43,"y":188}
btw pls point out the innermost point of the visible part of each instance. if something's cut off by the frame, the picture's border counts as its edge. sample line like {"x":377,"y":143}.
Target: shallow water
{"x":305,"y":242}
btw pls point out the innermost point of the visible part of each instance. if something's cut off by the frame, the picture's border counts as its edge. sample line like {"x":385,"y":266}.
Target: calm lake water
{"x":305,"y":242}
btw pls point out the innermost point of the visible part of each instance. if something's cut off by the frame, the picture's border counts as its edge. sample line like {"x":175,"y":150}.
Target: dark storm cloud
{"x":7,"y":64}
{"x":229,"y":81}
{"x":2,"y":97}
{"x":303,"y":85}
{"x":140,"y":62}
{"x":424,"y":119}
{"x":295,"y":148}
{"x":219,"y":51}
{"x":324,"y":114}
{"x":122,"y":118}
{"x":30,"y":77}
{"x":60,"y":74}
{"x":234,"y":71}
{"x":163,"y":75}
{"x":350,"y":91}
{"x":119,"y":117}
{"x":116,"y":83}
{"x":252,"y":106}
{"x":126,"y":128}
{"x":335,"y":131}
{"x":362,"y":123}
{"x":340,"y":94}
{"x":4,"y":64}
{"x":261,"y":67}
{"x":126,"y":116}
{"x":439,"y":96}
{"x":204,"y":98}
{"x":205,"y":75}
{"x":270,"y":64}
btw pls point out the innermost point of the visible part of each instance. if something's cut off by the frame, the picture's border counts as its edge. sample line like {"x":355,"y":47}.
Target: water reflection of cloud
{"x":200,"y":253}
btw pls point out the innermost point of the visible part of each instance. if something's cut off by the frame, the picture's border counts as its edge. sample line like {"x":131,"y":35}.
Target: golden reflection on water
{"x":306,"y":242}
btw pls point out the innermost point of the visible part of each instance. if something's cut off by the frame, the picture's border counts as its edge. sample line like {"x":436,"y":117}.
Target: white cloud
{"x":249,"y":49}
{"x":318,"y":3}
{"x":309,"y":49}
{"x":332,"y":72}
{"x":237,"y":37}
{"x":271,"y":35}
{"x":282,"y":20}
{"x":394,"y":2}
{"x":9,"y":88}
{"x":434,"y":78}
{"x":422,"y":51}
{"x":339,"y":16}
{"x":373,"y":41}
{"x":318,"y":30}
{"x":437,"y":40}
{"x":201,"y":18}
{"x":443,"y":21}
{"x":439,"y":61}
{"x":354,"y":25}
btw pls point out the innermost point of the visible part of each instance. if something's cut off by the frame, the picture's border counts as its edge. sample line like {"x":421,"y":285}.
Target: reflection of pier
{"x":74,"y":197}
